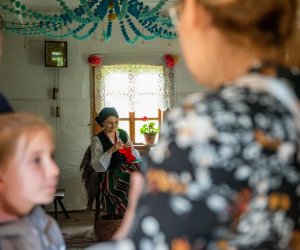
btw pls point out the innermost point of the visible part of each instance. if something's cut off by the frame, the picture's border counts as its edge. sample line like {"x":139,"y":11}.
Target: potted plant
{"x":149,"y":131}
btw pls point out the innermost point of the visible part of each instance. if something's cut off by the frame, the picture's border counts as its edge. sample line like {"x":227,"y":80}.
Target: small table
{"x":59,"y":196}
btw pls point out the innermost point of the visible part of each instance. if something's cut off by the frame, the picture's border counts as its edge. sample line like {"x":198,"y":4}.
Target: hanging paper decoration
{"x":170,"y":60}
{"x":94,"y":60}
{"x":137,"y":20}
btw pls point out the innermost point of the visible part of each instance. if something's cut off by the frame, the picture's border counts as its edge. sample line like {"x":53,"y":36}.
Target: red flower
{"x":145,"y":118}
{"x":94,"y":60}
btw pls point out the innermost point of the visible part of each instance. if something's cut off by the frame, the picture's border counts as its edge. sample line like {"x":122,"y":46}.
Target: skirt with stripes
{"x":114,"y":186}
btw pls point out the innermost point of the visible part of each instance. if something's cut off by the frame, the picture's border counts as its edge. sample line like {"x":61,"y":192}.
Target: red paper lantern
{"x":94,"y":60}
{"x":170,"y":63}
{"x":167,"y":57}
{"x":169,"y":60}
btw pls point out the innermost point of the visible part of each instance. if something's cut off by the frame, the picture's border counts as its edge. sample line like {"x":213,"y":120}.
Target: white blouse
{"x":100,"y":160}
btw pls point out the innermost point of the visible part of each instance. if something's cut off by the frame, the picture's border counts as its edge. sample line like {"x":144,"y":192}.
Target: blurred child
{"x":28,"y":178}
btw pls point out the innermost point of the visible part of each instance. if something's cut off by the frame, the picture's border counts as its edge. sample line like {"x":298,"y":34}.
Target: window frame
{"x":96,"y":128}
{"x":132,"y":119}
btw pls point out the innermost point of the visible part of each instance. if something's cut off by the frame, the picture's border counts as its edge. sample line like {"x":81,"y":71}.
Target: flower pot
{"x":149,"y":139}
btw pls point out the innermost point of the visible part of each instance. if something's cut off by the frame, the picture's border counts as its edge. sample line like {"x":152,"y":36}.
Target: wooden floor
{"x":77,"y":218}
{"x":78,"y":230}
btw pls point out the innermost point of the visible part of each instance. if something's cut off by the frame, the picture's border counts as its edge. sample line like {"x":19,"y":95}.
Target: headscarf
{"x":104,"y":113}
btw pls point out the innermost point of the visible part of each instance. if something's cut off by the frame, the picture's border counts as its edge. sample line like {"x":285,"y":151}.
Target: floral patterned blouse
{"x":225,"y":174}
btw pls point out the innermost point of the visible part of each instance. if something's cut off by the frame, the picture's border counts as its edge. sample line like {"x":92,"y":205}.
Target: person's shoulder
{"x":202,"y":101}
{"x":98,"y":136}
{"x":41,"y":218}
{"x":227,"y":99}
{"x":47,"y":226}
{"x":206,"y":97}
{"x":122,"y":131}
{"x":95,"y":139}
{"x":123,"y":135}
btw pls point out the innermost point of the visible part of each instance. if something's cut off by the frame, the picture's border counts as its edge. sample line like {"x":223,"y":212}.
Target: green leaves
{"x":149,"y":128}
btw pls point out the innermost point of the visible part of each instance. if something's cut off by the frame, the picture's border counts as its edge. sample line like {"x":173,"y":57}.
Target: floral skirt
{"x":114,"y":186}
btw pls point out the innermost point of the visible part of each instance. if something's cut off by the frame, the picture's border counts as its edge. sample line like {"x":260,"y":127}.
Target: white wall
{"x":28,"y":85}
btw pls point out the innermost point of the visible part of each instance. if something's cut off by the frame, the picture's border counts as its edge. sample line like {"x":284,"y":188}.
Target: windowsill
{"x":143,"y":146}
{"x":143,"y":149}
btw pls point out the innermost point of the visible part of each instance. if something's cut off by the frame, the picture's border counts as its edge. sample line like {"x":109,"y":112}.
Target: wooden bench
{"x":59,"y":196}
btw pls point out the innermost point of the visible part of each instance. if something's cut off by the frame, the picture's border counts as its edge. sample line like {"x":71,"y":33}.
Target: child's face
{"x":30,"y":178}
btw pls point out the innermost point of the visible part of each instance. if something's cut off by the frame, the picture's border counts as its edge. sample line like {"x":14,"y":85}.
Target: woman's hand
{"x":118,"y":145}
{"x":128,"y":144}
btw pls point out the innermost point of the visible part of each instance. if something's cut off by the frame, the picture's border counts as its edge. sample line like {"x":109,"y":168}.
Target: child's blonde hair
{"x":13,"y":126}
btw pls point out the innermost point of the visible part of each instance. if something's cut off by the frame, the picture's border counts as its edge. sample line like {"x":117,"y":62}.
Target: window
{"x":135,"y":91}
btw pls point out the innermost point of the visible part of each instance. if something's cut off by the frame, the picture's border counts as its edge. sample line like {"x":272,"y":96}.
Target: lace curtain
{"x":158,"y":81}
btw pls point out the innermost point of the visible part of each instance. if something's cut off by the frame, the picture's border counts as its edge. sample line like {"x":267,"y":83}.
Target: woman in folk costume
{"x":113,"y":154}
